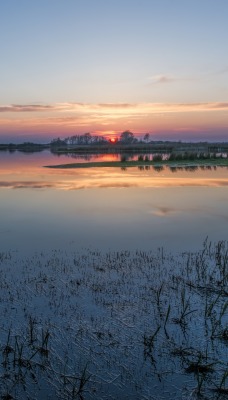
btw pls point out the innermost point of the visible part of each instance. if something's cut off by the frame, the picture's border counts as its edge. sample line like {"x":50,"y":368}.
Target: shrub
{"x":123,"y":158}
{"x":157,"y":157}
{"x":172,"y":157}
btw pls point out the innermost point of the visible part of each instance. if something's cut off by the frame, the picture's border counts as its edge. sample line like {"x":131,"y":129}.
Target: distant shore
{"x":150,"y":147}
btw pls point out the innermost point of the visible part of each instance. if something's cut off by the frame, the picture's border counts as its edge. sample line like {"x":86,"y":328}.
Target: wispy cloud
{"x":164,"y":211}
{"x":82,"y":107}
{"x":169,"y":78}
{"x":157,"y":79}
{"x":115,"y":108}
{"x":26,"y":108}
{"x":116,"y":105}
{"x":73,"y":117}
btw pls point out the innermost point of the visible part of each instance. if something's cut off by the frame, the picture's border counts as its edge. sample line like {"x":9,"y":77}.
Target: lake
{"x":113,"y":282}
{"x":108,"y":208}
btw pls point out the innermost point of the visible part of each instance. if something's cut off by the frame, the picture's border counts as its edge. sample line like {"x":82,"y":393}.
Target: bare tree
{"x":146,"y":137}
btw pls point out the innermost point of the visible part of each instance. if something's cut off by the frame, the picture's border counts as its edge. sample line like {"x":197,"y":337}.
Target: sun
{"x":113,"y":140}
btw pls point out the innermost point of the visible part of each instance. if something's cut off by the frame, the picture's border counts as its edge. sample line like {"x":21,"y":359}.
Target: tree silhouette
{"x":127,"y":137}
{"x":146,"y":137}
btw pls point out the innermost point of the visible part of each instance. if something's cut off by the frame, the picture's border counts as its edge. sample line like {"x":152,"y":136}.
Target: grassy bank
{"x":127,"y":164}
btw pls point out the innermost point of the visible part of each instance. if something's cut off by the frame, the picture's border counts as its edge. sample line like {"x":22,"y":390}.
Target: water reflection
{"x":109,"y":207}
{"x":90,"y":157}
{"x":26,"y":171}
{"x":105,"y":179}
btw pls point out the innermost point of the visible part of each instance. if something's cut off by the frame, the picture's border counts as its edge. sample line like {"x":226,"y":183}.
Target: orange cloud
{"x":117,"y":107}
{"x":68,"y":118}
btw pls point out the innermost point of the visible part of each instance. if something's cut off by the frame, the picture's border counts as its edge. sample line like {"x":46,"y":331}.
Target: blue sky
{"x":113,"y":52}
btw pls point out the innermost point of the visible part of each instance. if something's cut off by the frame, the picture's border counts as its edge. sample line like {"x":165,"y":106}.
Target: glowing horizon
{"x":105,"y":67}
{"x":109,"y":119}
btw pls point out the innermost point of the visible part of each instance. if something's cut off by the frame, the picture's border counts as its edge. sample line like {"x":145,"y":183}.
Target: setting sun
{"x":113,"y":140}
{"x":114,"y":199}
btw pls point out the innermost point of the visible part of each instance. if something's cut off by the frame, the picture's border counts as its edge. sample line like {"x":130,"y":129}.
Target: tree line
{"x":126,"y":137}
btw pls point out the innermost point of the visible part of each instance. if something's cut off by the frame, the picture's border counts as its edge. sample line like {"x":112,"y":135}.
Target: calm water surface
{"x":108,"y":208}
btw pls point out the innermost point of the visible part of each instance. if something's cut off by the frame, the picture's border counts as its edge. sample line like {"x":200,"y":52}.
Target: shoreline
{"x":151,"y":147}
{"x":220,"y":162}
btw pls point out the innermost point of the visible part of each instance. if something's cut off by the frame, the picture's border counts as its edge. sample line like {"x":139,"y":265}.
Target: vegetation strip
{"x":84,"y":324}
{"x":223,"y":162}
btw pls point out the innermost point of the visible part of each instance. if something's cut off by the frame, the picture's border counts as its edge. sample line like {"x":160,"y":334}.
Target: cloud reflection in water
{"x":115,"y":183}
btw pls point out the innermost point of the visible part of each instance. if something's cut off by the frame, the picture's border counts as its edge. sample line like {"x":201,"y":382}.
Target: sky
{"x":148,"y":66}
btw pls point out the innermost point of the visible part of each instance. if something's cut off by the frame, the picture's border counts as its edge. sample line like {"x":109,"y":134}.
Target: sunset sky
{"x":75,"y":66}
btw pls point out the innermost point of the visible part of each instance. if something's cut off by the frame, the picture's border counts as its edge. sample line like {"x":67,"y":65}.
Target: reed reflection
{"x":26,"y":171}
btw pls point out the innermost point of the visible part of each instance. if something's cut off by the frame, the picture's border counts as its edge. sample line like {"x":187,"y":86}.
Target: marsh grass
{"x":191,"y":161}
{"x":92,"y":325}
